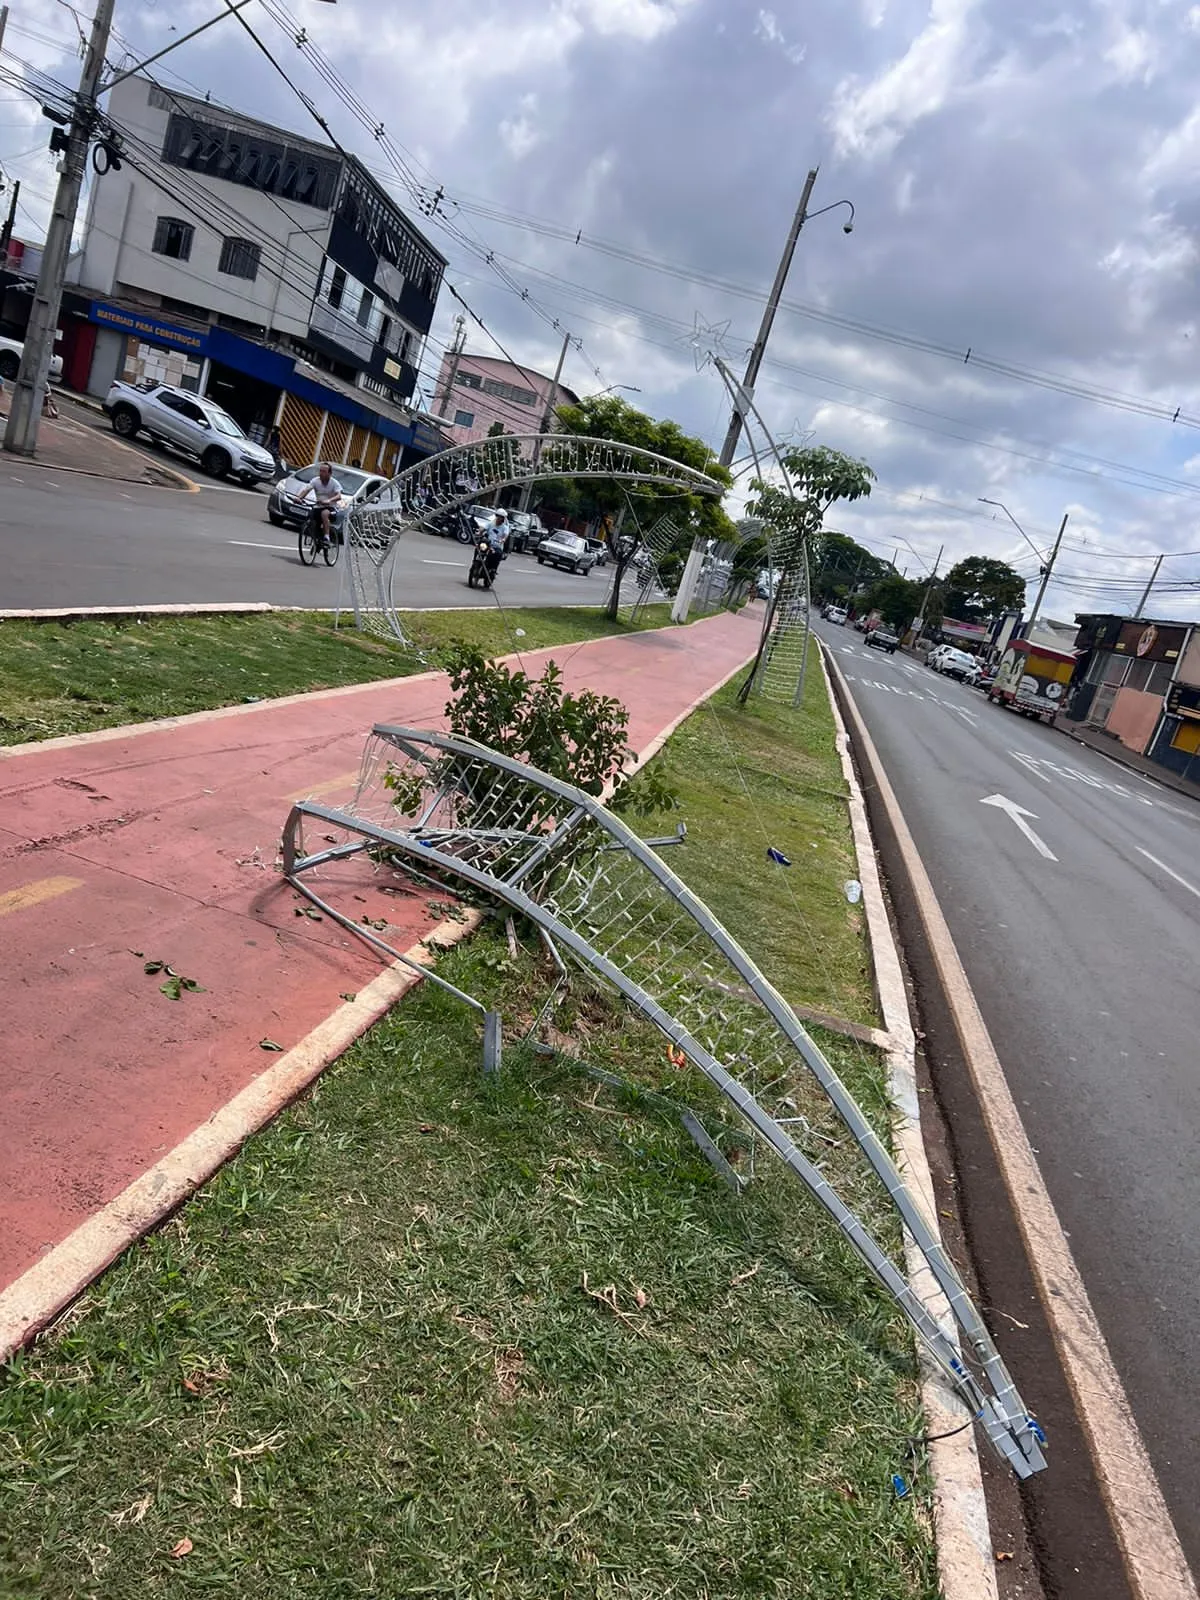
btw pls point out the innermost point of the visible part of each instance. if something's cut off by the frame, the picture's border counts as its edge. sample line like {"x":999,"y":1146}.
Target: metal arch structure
{"x":453,"y":813}
{"x":456,"y":477}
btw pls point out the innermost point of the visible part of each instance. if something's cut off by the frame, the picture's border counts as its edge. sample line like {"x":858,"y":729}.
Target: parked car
{"x":286,"y":506}
{"x":566,"y":550}
{"x":527,"y":531}
{"x":11,"y":351}
{"x":835,"y":614}
{"x":599,"y":549}
{"x":192,"y":424}
{"x":953,"y":663}
{"x":883,"y":639}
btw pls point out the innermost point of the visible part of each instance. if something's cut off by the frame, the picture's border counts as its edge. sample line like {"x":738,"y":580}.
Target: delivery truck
{"x":1033,"y":679}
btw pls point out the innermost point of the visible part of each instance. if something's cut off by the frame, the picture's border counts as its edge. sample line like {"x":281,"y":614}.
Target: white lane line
{"x":1018,"y":815}
{"x":253,"y":544}
{"x":1030,"y":763}
{"x":970,"y":715}
{"x":425,"y":561}
{"x":1163,"y":867}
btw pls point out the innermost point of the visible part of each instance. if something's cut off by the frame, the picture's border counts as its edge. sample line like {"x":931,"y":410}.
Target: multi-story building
{"x":475,"y":393}
{"x":264,"y":269}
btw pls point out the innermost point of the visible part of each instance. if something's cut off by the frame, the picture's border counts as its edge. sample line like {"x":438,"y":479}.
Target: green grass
{"x":760,"y":776}
{"x":432,"y":1334}
{"x":58,"y":678}
{"x":370,"y":1359}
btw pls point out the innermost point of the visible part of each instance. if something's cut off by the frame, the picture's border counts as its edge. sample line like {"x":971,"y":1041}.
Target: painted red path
{"x":159,"y":843}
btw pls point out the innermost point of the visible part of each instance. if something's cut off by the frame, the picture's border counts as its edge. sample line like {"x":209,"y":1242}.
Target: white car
{"x":835,"y":614}
{"x":953,"y":663}
{"x":286,"y":506}
{"x":11,"y":351}
{"x":191,"y":423}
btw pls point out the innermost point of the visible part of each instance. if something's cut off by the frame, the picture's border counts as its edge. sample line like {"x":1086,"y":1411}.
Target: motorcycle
{"x":484,"y":564}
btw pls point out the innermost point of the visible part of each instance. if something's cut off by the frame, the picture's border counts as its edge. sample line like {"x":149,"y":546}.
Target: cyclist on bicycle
{"x":326,"y":492}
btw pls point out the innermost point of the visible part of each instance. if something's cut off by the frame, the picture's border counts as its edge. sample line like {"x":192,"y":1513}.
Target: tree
{"x":897,"y":600}
{"x":838,"y":564}
{"x":611,"y":417}
{"x":979,"y":588}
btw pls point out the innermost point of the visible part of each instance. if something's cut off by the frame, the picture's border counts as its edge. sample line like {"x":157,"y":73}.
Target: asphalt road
{"x":69,"y":540}
{"x":1081,"y":944}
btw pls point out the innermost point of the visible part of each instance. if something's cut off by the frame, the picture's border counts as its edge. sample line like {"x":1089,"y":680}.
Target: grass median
{"x":58,"y":678}
{"x":432,"y":1334}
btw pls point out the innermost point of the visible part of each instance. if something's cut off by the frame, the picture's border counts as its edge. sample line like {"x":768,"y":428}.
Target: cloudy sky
{"x":1027,"y":189}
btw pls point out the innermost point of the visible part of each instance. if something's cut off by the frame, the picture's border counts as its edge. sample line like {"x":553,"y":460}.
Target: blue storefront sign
{"x":145,"y":327}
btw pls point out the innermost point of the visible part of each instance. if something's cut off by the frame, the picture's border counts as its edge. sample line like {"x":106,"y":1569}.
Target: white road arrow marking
{"x":1018,"y":814}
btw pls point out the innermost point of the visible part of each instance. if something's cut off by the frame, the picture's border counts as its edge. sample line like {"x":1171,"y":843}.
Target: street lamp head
{"x":847,"y":227}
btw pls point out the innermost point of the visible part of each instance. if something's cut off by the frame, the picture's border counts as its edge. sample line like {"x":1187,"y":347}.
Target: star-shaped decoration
{"x":706,"y":340}
{"x":797,"y":436}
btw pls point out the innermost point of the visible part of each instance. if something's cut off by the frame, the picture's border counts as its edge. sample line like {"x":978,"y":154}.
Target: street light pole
{"x":687,"y":583}
{"x":30,"y":387}
{"x":1046,"y":571}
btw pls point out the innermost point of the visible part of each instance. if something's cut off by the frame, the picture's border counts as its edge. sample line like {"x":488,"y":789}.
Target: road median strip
{"x":479,"y":1302}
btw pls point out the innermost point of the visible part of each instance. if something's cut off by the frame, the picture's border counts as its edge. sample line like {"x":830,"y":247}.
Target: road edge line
{"x":962,"y":1530}
{"x":32,"y":1301}
{"x":1154,"y":1560}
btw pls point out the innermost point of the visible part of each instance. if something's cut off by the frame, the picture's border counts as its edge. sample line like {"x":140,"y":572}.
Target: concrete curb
{"x":109,"y":613}
{"x":966,"y":1564}
{"x":1155,"y":1564}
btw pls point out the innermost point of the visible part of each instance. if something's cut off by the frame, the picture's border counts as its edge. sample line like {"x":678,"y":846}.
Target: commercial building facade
{"x":475,"y":393}
{"x":265,"y":270}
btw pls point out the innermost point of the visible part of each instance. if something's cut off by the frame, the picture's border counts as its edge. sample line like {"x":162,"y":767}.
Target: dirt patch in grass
{"x":58,"y":678}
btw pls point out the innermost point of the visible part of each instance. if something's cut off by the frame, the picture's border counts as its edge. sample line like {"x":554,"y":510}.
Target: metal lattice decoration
{"x":778,"y":673}
{"x":460,"y":476}
{"x":657,"y":543}
{"x":448,"y":812}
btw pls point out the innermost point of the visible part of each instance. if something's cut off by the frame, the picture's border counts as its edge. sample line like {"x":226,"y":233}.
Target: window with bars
{"x":173,"y":238}
{"x":239,"y":258}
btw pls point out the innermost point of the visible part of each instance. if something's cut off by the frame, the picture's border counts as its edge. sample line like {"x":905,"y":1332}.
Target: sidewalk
{"x":1106,"y":745}
{"x":79,"y":442}
{"x":158,"y":843}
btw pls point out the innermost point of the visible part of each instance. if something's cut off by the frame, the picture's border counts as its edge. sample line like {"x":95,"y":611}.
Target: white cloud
{"x":871,"y":117}
{"x":768,"y":30}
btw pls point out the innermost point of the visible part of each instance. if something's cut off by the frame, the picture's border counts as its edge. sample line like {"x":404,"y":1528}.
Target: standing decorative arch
{"x":459,"y":476}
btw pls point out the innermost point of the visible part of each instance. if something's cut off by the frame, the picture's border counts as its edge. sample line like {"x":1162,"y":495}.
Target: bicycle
{"x":313,"y":540}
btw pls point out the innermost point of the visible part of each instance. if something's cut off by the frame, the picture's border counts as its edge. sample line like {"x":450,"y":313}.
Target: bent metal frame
{"x":459,"y":476}
{"x":446,"y":811}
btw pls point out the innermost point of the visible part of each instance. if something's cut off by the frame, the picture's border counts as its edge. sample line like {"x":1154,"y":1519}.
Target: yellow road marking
{"x":330,"y":786}
{"x":32,"y":894}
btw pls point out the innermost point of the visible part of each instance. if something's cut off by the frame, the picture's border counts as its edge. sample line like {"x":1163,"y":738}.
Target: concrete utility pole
{"x":30,"y":386}
{"x":547,"y":420}
{"x":928,"y":591}
{"x":1047,"y":570}
{"x":1141,"y":605}
{"x":687,"y":584}
{"x":456,"y":350}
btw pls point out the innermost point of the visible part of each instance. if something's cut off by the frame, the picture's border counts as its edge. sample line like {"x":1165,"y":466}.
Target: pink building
{"x":476,"y":392}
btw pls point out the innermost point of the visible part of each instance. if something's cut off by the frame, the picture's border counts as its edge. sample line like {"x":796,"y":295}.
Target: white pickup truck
{"x":190,"y":423}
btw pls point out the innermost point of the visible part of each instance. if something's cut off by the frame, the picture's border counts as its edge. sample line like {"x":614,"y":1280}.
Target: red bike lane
{"x":159,"y":843}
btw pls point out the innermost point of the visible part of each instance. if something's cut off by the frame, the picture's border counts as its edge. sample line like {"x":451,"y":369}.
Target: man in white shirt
{"x":327,"y":492}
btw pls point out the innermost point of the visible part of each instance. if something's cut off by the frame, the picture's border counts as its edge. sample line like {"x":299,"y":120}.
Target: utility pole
{"x":456,"y":350}
{"x":928,"y":592}
{"x":30,"y":386}
{"x":1047,"y":570}
{"x":1141,"y":605}
{"x":6,"y":231}
{"x":687,"y":584}
{"x":547,"y":419}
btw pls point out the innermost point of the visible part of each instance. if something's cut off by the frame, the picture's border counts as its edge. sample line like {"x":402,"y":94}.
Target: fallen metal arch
{"x":447,"y":810}
{"x":460,"y":476}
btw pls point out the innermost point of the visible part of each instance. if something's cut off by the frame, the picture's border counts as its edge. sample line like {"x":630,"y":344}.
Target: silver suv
{"x":190,"y":423}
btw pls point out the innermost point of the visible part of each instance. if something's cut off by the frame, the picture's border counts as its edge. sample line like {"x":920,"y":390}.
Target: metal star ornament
{"x":706,"y":340}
